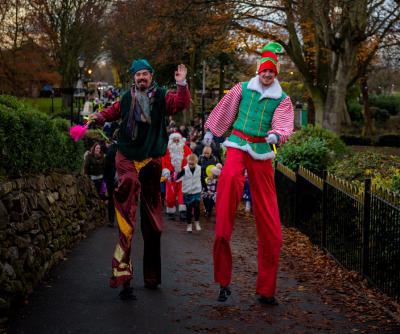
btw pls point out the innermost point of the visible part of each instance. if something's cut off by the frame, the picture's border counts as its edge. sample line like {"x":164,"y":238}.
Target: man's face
{"x":191,"y":163}
{"x":176,"y":141}
{"x":267,"y":77}
{"x":143,"y":79}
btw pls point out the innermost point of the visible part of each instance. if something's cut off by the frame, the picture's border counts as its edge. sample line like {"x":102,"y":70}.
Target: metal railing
{"x":359,"y":226}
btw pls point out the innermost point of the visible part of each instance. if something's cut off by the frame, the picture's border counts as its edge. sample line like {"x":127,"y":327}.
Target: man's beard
{"x":142,"y":85}
{"x":176,"y":153}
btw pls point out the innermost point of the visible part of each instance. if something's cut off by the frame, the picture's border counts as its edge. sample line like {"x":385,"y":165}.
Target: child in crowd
{"x":191,"y":188}
{"x":205,"y":160}
{"x":210,"y":189}
{"x":246,"y":193}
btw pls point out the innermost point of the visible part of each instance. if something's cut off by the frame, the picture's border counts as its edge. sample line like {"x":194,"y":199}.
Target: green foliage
{"x":382,"y":168}
{"x":355,"y":110}
{"x":311,"y":153}
{"x":391,"y":103}
{"x":333,"y":142}
{"x":380,"y":115}
{"x":31,"y":142}
{"x":313,"y":148}
{"x":295,"y":89}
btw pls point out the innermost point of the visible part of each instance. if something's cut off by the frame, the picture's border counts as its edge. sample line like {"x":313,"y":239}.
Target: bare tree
{"x":330,"y":41}
{"x":70,"y":28}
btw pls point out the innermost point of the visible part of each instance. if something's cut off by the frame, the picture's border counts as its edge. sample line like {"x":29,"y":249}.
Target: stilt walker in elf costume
{"x":173,"y":162}
{"x":261,"y":114}
{"x":142,"y":141}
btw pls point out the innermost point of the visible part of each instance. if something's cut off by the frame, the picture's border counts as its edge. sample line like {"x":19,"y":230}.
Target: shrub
{"x":356,"y":140}
{"x":31,"y":142}
{"x":384,"y":169}
{"x":355,"y":110}
{"x":333,"y":142}
{"x":389,"y":140}
{"x":380,"y":115}
{"x":391,"y":103}
{"x":311,"y":153}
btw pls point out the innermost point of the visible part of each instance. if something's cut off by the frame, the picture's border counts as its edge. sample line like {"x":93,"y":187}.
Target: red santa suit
{"x":173,"y":162}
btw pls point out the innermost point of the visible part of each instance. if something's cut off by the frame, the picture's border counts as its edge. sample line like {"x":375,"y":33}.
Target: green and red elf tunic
{"x":255,"y":112}
{"x":151,"y":139}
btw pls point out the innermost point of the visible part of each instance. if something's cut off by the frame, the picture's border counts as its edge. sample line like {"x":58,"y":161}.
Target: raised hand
{"x":180,"y":73}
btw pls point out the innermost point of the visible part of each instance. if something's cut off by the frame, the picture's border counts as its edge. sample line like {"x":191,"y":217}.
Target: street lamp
{"x":79,"y":85}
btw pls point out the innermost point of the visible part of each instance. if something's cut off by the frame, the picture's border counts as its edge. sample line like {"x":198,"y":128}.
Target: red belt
{"x":248,"y":138}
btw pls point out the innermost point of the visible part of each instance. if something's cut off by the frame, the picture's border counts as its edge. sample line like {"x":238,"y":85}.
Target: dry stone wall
{"x":40,"y":218}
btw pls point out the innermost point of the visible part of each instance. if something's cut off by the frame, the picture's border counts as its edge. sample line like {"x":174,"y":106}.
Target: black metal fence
{"x":359,"y":226}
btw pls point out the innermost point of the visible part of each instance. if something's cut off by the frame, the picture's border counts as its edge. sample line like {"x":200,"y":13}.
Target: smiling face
{"x":267,"y":77}
{"x":97,"y":150}
{"x":143,"y":79}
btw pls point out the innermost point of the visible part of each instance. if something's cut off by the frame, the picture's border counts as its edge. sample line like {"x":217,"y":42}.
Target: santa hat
{"x":269,"y":59}
{"x":175,"y":135}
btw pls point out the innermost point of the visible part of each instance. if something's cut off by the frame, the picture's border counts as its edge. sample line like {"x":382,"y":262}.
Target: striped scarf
{"x":140,"y":108}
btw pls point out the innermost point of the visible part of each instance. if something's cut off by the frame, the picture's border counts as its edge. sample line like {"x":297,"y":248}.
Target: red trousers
{"x":173,"y":191}
{"x":266,"y":214}
{"x":131,"y":185}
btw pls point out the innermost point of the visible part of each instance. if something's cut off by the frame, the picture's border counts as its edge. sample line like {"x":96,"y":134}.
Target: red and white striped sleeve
{"x":283,"y":120}
{"x":224,"y":114}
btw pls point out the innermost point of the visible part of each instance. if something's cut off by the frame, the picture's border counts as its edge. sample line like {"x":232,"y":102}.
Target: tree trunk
{"x":335,"y":110}
{"x":221,"y":79}
{"x":367,"y":130}
{"x":318,"y":106}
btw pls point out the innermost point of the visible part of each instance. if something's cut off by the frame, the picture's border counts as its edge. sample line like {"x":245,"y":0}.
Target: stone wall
{"x":40,"y":218}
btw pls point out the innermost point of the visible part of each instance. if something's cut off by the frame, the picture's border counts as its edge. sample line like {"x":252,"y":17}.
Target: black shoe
{"x":171,"y":216}
{"x":224,"y":292}
{"x":268,"y":300}
{"x":110,"y":224}
{"x":127,"y":294}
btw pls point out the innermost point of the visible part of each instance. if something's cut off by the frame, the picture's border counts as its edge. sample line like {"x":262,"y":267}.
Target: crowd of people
{"x":185,"y":147}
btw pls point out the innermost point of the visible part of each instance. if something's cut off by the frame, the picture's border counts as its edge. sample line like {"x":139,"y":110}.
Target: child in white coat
{"x":191,"y":188}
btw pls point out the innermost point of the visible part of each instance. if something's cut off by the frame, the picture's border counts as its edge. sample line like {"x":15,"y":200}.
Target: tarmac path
{"x":76,"y":297}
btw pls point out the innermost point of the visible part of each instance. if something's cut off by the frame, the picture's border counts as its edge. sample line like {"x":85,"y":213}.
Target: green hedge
{"x":313,"y":148}
{"x":31,"y":142}
{"x":391,"y":103}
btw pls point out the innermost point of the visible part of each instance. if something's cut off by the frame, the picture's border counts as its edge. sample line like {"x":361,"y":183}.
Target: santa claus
{"x":173,"y":162}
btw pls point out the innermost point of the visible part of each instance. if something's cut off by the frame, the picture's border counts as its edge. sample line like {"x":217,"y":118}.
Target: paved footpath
{"x":77,"y":299}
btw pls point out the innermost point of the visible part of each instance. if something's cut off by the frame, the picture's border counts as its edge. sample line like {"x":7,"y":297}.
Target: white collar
{"x":273,"y":92}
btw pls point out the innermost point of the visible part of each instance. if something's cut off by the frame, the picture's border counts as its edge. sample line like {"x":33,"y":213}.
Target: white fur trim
{"x":247,"y":148}
{"x":171,"y":210}
{"x":182,"y":207}
{"x":273,"y":92}
{"x":182,"y":83}
{"x":175,"y":135}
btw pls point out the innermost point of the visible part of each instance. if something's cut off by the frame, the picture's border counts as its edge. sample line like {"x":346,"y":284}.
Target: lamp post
{"x":79,"y":86}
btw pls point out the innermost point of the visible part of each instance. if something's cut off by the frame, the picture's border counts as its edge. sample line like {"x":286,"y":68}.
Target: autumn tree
{"x":168,"y":32}
{"x":70,"y":28}
{"x":14,"y":32}
{"x":324,"y":39}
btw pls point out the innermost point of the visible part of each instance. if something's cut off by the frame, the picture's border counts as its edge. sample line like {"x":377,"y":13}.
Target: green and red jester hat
{"x":269,"y":59}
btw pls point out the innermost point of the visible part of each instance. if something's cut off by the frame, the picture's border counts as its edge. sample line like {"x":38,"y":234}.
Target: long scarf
{"x":139,"y":111}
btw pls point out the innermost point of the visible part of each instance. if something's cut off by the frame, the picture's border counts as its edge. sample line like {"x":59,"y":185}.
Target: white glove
{"x":272,"y":138}
{"x":166,"y":173}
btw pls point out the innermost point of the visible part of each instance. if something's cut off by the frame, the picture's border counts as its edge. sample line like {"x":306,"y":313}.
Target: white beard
{"x":176,"y":153}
